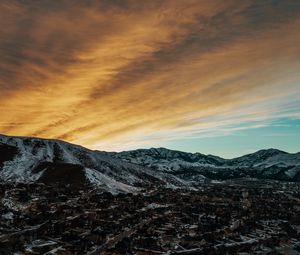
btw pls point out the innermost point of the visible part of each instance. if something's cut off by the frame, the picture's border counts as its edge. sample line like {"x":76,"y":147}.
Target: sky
{"x":217,"y":77}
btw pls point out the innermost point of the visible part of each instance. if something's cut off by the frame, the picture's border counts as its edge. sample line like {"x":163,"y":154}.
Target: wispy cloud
{"x":123,"y":73}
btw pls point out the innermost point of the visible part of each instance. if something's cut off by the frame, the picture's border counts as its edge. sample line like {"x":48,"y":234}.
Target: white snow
{"x":8,"y":216}
{"x":102,"y":181}
{"x":121,"y":172}
{"x":11,"y":204}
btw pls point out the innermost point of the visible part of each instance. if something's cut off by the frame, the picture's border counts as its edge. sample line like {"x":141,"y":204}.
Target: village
{"x":242,"y":216}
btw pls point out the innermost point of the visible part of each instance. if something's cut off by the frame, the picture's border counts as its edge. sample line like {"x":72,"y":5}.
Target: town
{"x":241,"y":216}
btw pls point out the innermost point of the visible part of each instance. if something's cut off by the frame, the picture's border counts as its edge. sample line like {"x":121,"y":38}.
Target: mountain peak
{"x":270,"y":151}
{"x":264,"y":153}
{"x":123,"y":171}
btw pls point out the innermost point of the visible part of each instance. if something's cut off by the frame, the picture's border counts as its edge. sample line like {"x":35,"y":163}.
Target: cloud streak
{"x":104,"y":74}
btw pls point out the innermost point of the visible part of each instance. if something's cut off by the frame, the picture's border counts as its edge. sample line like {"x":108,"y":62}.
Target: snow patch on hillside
{"x":104,"y":182}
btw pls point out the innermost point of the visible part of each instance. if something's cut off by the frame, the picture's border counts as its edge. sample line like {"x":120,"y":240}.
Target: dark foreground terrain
{"x":243,"y":216}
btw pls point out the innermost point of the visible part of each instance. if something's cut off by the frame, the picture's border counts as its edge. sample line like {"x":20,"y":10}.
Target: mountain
{"x":25,"y":159}
{"x":271,"y":164}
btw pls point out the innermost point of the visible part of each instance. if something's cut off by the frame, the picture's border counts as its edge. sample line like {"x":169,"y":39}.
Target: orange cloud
{"x":104,"y":75}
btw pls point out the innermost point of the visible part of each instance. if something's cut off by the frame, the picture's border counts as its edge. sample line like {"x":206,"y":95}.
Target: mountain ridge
{"x":199,"y":153}
{"x":100,"y":169}
{"x":31,"y":159}
{"x":151,"y":148}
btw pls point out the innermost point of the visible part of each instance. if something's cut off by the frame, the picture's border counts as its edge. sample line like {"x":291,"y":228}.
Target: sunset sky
{"x":215,"y":76}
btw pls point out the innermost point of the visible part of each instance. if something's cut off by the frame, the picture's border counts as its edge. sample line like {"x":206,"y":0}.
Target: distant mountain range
{"x":263,"y":164}
{"x":24,"y":159}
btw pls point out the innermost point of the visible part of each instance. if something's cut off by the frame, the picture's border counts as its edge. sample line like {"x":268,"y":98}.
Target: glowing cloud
{"x":120,"y":74}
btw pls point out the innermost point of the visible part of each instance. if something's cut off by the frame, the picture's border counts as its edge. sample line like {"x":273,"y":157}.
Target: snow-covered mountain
{"x":24,"y":159}
{"x":271,"y":163}
{"x":168,"y":160}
